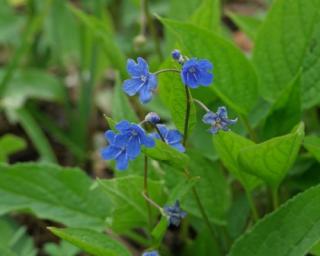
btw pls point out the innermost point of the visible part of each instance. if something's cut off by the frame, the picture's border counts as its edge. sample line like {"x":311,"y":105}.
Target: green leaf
{"x":9,"y":144}
{"x":228,"y":146}
{"x":63,"y":248}
{"x":272,"y":159}
{"x":285,"y":112}
{"x":291,"y":230}
{"x":212,"y":188}
{"x":52,"y":192}
{"x":280,"y":53}
{"x":32,"y":84}
{"x":129,"y":206}
{"x":248,"y":24}
{"x":167,"y":154}
{"x":90,"y":241}
{"x":235,"y":80}
{"x":121,"y":107}
{"x":207,"y":15}
{"x":312,"y":144}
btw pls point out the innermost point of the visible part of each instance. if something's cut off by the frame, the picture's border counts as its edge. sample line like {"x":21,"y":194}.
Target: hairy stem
{"x":158,"y":131}
{"x":201,"y":105}
{"x":167,"y":70}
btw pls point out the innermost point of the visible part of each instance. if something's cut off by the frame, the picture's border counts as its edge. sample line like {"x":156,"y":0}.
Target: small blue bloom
{"x":175,"y":214}
{"x":151,"y":253}
{"x":134,"y":136}
{"x":176,"y":54}
{"x":218,"y":120}
{"x":116,"y":150}
{"x":152,"y":118}
{"x":142,"y":82}
{"x":171,"y":137}
{"x":197,"y":72}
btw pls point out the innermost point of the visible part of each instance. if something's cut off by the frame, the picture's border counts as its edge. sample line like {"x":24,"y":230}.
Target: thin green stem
{"x":253,"y":207}
{"x":275,"y":198}
{"x":167,"y":70}
{"x":145,"y":190}
{"x":201,"y":105}
{"x":187,"y":116}
{"x":250,"y":130}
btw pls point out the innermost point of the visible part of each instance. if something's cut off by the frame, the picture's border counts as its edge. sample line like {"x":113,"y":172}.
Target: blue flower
{"x":152,"y":118}
{"x":125,"y":145}
{"x":151,"y":253}
{"x":218,"y":120}
{"x":197,"y":72}
{"x":142,"y":82}
{"x":134,"y":136}
{"x":116,"y":150}
{"x":171,"y":137}
{"x":174,"y":213}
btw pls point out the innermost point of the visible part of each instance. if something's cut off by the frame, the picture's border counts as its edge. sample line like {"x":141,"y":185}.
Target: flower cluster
{"x":194,"y":73}
{"x":125,"y":145}
{"x":174,"y":214}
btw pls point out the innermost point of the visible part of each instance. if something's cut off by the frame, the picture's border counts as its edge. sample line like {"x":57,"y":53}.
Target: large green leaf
{"x":272,"y":159}
{"x":235,"y":81}
{"x":312,"y":144}
{"x":93,"y":242}
{"x":54,"y":193}
{"x":129,"y":206}
{"x":212,"y":188}
{"x":228,"y":146}
{"x":33,"y":84}
{"x":292,"y":230}
{"x":207,"y":15}
{"x":285,"y":111}
{"x":282,"y":51}
{"x":9,"y":144}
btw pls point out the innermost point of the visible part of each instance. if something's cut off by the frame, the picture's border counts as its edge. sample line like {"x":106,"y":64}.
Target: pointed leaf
{"x":10,"y":144}
{"x":90,"y":241}
{"x":272,"y":159}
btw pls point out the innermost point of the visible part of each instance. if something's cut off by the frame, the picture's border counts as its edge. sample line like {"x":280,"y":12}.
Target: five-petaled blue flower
{"x":218,"y":120}
{"x":151,"y":253}
{"x":126,"y":145}
{"x":197,"y":72}
{"x":142,"y":82}
{"x":171,"y":137}
{"x":174,"y":213}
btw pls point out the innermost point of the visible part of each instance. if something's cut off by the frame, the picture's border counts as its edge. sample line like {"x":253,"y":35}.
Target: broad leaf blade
{"x":281,"y":52}
{"x":272,"y":159}
{"x":129,"y":206}
{"x":93,"y":242}
{"x":228,"y":146}
{"x":312,"y":144}
{"x":54,"y":193}
{"x":10,"y":144}
{"x":207,"y":15}
{"x":292,"y":230}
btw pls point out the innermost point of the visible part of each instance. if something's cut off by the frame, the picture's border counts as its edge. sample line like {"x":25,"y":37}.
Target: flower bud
{"x":152,"y":117}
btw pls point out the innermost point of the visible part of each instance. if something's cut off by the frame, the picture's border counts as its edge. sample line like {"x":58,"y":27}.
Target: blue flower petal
{"x":122,"y":161}
{"x":148,"y":141}
{"x":163,"y":130}
{"x":209,"y":117}
{"x":152,"y":82}
{"x":109,"y":152}
{"x":133,"y":147}
{"x":205,"y":65}
{"x":110,"y":135}
{"x":143,"y":65}
{"x":132,"y":68}
{"x":179,"y":147}
{"x":132,"y":86}
{"x":222,"y":112}
{"x":145,"y":95}
{"x":205,"y":78}
{"x":214,"y":130}
{"x":174,"y":136}
{"x":123,"y":126}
